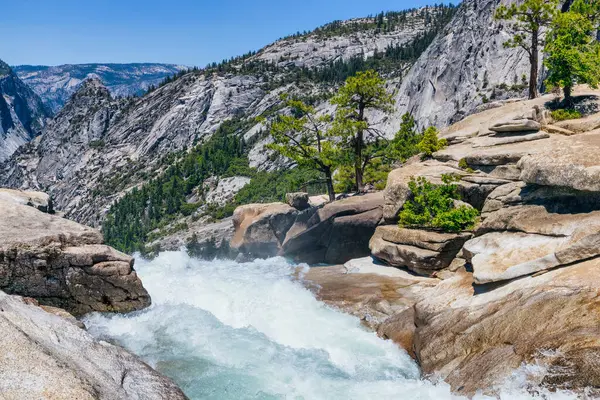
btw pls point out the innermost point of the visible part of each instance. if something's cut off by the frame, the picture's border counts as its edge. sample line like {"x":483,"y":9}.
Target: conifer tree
{"x":528,"y":19}
{"x":362,"y":141}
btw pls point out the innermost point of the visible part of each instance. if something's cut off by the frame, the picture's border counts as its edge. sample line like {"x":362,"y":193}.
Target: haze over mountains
{"x":56,"y":84}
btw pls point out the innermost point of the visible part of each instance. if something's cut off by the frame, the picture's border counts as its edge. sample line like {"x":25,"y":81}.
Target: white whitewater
{"x":225,"y":330}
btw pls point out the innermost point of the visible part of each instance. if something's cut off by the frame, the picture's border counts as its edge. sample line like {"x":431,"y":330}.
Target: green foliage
{"x":528,"y":18}
{"x":432,"y":206}
{"x":303,"y":136}
{"x":161,"y":200}
{"x":360,"y":141}
{"x":97,"y":144}
{"x":267,"y":187}
{"x":563,"y":115}
{"x":404,"y":144}
{"x":376,"y":174}
{"x":573,"y":54}
{"x":430,"y":143}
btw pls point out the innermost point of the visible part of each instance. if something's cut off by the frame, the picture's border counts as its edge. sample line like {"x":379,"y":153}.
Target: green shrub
{"x":430,"y":143}
{"x":462,"y":164}
{"x":432,"y":206}
{"x":97,"y":144}
{"x":565,"y":114}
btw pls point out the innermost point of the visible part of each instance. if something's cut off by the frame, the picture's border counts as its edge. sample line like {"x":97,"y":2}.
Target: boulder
{"x":300,"y":201}
{"x":516,"y":125}
{"x":38,"y":200}
{"x":421,"y":251}
{"x":64,"y":264}
{"x":477,"y":342}
{"x":335,"y":233}
{"x":574,"y":165}
{"x":260,"y":229}
{"x":47,"y":356}
{"x":528,"y":229}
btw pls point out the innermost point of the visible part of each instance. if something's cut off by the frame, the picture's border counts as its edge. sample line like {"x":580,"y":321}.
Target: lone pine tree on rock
{"x":528,"y":19}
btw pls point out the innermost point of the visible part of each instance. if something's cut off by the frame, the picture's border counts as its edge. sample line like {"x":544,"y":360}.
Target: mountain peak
{"x":4,"y":68}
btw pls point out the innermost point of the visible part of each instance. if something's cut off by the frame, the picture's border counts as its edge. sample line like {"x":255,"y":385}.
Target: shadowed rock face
{"x":48,"y":356}
{"x":64,"y":264}
{"x":332,"y":234}
{"x":22,"y":114}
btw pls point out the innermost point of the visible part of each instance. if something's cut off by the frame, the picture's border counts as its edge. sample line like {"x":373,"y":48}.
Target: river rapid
{"x":227,"y":330}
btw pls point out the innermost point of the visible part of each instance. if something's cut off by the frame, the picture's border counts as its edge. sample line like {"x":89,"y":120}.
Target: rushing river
{"x":225,"y":330}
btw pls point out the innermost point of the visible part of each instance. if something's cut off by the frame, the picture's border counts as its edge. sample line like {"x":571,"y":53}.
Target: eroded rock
{"x":421,"y":251}
{"x":64,"y":264}
{"x":335,"y":233}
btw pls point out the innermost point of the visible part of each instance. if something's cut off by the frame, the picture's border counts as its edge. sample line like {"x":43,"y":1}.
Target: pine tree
{"x":528,"y":19}
{"x":361,"y":93}
{"x":573,"y":54}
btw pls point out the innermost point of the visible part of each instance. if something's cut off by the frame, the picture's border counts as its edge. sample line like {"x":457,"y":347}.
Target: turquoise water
{"x":225,"y":330}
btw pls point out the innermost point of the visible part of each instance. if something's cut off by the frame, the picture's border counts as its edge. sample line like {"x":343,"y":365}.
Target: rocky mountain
{"x":22,"y":113}
{"x":464,"y":67}
{"x":124,"y":142}
{"x":57,"y":83}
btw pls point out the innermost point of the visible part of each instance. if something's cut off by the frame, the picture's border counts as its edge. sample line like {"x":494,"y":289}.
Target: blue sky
{"x":188,"y":32}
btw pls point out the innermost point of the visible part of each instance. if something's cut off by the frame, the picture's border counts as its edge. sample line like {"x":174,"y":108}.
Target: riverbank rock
{"x":423,"y":252}
{"x":64,"y":264}
{"x":45,"y":356}
{"x":300,"y":200}
{"x":336,"y":232}
{"x":548,"y":320}
{"x":381,"y":296}
{"x":260,"y":229}
{"x":574,"y":165}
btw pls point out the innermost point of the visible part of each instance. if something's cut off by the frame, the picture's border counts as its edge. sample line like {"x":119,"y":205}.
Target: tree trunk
{"x":568,"y":90}
{"x":358,"y":170}
{"x":358,"y":162}
{"x":533,"y":74}
{"x":330,"y":188}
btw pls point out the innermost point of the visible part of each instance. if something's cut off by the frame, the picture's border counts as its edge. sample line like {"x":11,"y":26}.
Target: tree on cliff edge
{"x":573,"y":54}
{"x":302,"y":136}
{"x":358,"y":136}
{"x":528,"y":20}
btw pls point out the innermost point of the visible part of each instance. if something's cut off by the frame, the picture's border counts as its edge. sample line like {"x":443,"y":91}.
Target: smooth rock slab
{"x":575,"y":164}
{"x":45,"y":356}
{"x":475,"y":342}
{"x":516,"y":125}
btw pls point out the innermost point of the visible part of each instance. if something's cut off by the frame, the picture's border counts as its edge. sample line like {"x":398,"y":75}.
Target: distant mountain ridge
{"x":56,"y":84}
{"x":22,"y":113}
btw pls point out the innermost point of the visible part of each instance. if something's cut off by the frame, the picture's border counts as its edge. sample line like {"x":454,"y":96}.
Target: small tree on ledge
{"x":573,"y":54}
{"x":364,"y":143}
{"x":302,"y":137}
{"x":529,"y":18}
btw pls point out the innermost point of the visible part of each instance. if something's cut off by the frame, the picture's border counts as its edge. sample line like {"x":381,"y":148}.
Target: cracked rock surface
{"x":64,"y":264}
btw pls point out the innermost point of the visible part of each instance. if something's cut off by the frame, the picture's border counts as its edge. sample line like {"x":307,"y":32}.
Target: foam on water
{"x":227,"y":330}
